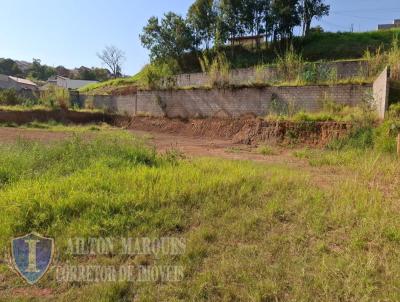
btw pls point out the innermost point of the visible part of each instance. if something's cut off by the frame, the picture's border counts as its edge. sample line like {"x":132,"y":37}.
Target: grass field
{"x":254,"y":232}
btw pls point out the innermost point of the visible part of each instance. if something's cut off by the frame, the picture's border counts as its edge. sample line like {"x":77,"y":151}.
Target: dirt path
{"x":323,"y":177}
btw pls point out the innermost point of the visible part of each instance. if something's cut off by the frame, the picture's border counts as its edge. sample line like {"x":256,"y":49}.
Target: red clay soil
{"x":246,"y":130}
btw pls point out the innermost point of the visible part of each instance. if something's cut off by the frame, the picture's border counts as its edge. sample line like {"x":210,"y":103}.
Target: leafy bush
{"x":159,"y":75}
{"x":381,"y":138}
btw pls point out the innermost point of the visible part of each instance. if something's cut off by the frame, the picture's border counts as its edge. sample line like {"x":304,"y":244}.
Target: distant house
{"x":395,"y":24}
{"x":68,"y":83}
{"x":8,"y":82}
{"x":248,"y":40}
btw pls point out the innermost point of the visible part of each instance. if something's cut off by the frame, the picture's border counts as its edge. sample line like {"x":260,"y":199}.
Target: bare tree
{"x":113,"y":58}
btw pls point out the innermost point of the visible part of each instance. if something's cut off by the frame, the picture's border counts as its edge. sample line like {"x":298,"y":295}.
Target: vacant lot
{"x":284,"y":225}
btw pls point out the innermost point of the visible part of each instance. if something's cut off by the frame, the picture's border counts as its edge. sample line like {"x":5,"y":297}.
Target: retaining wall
{"x":344,"y":70}
{"x":231,"y":102}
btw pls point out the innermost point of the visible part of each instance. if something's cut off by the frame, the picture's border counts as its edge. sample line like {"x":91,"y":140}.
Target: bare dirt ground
{"x":323,"y":177}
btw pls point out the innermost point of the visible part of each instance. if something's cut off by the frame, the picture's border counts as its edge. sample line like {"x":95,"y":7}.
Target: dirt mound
{"x":247,"y":130}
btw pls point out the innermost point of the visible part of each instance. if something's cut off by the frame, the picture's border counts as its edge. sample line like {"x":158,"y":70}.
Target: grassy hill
{"x":316,"y":47}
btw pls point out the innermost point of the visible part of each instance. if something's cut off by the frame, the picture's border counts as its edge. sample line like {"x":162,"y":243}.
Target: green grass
{"x":110,"y":83}
{"x":266,"y":150}
{"x":318,"y":46}
{"x":254,"y":232}
{"x":54,"y":126}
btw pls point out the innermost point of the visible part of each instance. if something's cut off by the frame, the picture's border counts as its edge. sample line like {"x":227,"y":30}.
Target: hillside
{"x":316,"y":47}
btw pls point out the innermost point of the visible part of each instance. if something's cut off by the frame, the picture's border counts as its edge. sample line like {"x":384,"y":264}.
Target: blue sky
{"x":71,"y":32}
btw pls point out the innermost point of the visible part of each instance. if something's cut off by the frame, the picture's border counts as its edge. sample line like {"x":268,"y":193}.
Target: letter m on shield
{"x":32,"y":255}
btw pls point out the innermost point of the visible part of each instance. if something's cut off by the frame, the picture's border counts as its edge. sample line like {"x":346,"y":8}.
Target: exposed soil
{"x":247,"y":130}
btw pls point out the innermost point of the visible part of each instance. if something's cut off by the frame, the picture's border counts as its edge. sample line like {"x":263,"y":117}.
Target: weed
{"x":266,"y":150}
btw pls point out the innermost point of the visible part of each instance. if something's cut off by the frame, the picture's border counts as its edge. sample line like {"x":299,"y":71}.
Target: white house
{"x":68,"y":83}
{"x":8,"y":82}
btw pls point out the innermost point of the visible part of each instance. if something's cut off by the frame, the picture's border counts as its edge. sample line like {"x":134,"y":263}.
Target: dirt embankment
{"x":247,"y":130}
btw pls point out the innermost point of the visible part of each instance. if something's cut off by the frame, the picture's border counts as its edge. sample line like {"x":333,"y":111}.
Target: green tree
{"x":102,"y":74}
{"x":202,"y":18}
{"x":9,"y":67}
{"x":41,"y":72}
{"x":310,"y":9}
{"x":170,"y":38}
{"x":256,"y":17}
{"x":85,"y":73}
{"x":285,"y":15}
{"x":231,"y":13}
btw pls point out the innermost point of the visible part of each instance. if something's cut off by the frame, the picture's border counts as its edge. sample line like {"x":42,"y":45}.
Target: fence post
{"x":398,"y":145}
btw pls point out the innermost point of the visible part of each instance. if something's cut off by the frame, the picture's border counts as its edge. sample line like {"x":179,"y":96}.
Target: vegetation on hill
{"x":378,"y":48}
{"x":40,"y":72}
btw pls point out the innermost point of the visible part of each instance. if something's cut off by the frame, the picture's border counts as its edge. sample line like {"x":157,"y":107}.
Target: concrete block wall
{"x":344,"y":69}
{"x":257,"y":101}
{"x":229,"y":102}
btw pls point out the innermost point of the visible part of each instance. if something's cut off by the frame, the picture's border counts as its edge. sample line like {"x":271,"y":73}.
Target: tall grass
{"x":290,"y":65}
{"x":254,"y":232}
{"x":217,"y":68}
{"x":55,"y":96}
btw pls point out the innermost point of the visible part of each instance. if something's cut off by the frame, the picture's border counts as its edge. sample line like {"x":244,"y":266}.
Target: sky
{"x":71,"y":32}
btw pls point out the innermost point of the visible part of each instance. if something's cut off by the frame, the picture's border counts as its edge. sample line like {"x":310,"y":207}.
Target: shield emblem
{"x":31,"y":256}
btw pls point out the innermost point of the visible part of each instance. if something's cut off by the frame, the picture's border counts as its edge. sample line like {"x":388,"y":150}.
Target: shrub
{"x":159,"y":75}
{"x":376,"y":62}
{"x":55,"y":97}
{"x":10,"y":97}
{"x":290,"y":65}
{"x":394,"y":58}
{"x":394,"y":111}
{"x":218,"y":69}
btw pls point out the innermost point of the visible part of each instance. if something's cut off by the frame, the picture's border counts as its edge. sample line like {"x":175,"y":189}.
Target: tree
{"x":102,"y":74}
{"x":85,"y":73}
{"x":255,"y":17}
{"x":170,"y":38}
{"x":231,"y":12}
{"x":202,"y":17}
{"x":310,"y":9}
{"x":113,"y":58}
{"x":41,"y":72}
{"x":62,"y":71}
{"x":284,"y":16}
{"x":9,"y":67}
